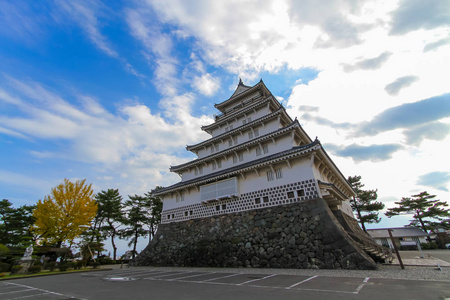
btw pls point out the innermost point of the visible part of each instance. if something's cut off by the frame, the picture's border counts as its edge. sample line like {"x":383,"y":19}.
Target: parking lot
{"x":154,"y":283}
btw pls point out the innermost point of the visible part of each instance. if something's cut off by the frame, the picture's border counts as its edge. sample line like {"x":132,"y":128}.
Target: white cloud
{"x":206,"y":84}
{"x":134,"y":144}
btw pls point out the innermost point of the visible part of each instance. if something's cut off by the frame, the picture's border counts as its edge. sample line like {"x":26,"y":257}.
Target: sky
{"x":113,"y":91}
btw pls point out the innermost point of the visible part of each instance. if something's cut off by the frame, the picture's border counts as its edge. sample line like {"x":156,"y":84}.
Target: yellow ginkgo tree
{"x":65,"y":213}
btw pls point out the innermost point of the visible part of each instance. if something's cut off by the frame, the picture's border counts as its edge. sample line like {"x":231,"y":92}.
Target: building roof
{"x":294,"y":125}
{"x":220,"y":120}
{"x":235,"y":170}
{"x":397,"y":232}
{"x":280,"y":111}
{"x":240,"y":92}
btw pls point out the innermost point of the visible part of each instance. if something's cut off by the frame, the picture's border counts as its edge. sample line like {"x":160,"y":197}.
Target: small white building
{"x":257,"y":157}
{"x":403,"y":236}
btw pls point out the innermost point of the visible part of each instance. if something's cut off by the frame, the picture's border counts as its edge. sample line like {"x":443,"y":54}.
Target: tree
{"x":15,"y":224}
{"x":136,"y":218}
{"x":364,"y":203}
{"x":65,"y":213}
{"x":110,"y":211}
{"x":155,"y":206}
{"x":428,"y":213}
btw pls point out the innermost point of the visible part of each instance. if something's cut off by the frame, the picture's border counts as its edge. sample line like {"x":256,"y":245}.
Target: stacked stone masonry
{"x":296,"y":235}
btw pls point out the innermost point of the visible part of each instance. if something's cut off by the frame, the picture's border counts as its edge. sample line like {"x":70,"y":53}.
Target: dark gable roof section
{"x":259,"y":85}
{"x":278,"y":157}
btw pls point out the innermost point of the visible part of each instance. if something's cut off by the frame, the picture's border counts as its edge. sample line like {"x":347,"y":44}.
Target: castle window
{"x":226,"y":129}
{"x":217,"y":148}
{"x":196,"y":172}
{"x":235,"y":140}
{"x":241,"y":156}
{"x":180,"y":197}
{"x":200,"y":170}
{"x":301,"y":193}
{"x":224,"y":206}
{"x":256,"y":131}
{"x":190,"y":212}
{"x":290,"y":195}
{"x":234,"y":159}
{"x":265,"y":149}
{"x":258,"y":151}
{"x":220,"y":189}
{"x":217,"y":207}
{"x":257,"y":200}
{"x":185,"y":213}
{"x":212,"y":149}
{"x":278,"y":173}
{"x":168,"y":217}
{"x":230,"y":142}
{"x":244,"y":121}
{"x":270,"y":176}
{"x":173,"y":216}
{"x":250,"y":135}
{"x":265,"y":199}
{"x":214,"y":165}
{"x":219,"y":164}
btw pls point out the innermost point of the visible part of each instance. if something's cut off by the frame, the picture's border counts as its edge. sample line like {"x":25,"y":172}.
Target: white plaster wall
{"x":300,"y":170}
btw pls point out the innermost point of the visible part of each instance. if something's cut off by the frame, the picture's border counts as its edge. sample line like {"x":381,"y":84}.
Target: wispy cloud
{"x":418,"y":14}
{"x":400,"y":83}
{"x":408,"y":115}
{"x":438,"y":180}
{"x":368,"y":63}
{"x":358,"y":153}
{"x":84,"y":13}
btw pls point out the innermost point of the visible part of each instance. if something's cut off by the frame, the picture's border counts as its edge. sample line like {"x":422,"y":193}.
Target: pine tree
{"x":428,"y":213}
{"x":364,"y":203}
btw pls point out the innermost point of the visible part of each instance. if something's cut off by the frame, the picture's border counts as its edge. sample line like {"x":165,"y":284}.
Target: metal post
{"x":395,"y":248}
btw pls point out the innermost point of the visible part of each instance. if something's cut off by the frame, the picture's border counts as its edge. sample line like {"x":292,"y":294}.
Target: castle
{"x":261,"y":193}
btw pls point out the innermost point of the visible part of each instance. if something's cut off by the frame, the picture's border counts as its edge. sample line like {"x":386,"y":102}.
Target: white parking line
{"x":361,"y":285}
{"x":29,"y":296}
{"x":196,"y":275}
{"x":257,"y":279}
{"x":298,"y":283}
{"x":36,"y":289}
{"x":208,"y":280}
{"x":19,"y":291}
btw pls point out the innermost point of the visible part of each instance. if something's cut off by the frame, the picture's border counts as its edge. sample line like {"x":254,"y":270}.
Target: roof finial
{"x":240,"y":81}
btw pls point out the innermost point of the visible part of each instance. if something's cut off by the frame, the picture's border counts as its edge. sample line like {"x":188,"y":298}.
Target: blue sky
{"x":112,"y":91}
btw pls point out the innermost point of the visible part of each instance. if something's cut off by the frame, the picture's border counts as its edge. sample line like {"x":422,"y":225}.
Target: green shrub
{"x":51,"y":265}
{"x":63,"y":267}
{"x":95,"y":264}
{"x":425,"y":246}
{"x":2,"y":275}
{"x":105,"y":260}
{"x":34,"y":269}
{"x":5,"y":267}
{"x":433,"y":245}
{"x":79,"y":264}
{"x":16,"y":269}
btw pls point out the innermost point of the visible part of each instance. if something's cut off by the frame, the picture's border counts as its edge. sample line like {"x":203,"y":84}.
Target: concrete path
{"x":432,"y":258}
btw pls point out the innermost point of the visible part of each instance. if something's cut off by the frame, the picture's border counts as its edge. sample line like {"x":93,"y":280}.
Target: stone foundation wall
{"x":298,"y":235}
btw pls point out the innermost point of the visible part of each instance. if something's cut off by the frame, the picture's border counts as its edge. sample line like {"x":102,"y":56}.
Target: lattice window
{"x":258,"y":151}
{"x":269,"y":176}
{"x":278,"y":173}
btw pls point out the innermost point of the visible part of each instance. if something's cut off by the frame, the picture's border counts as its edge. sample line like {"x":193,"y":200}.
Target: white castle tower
{"x":257,"y":157}
{"x":261,"y":193}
